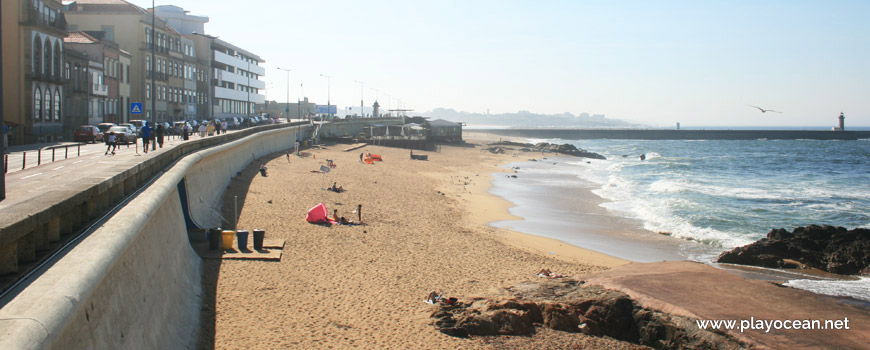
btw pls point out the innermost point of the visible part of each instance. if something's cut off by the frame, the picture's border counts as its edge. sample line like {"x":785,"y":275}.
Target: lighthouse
{"x":376,"y":109}
{"x":842,"y":122}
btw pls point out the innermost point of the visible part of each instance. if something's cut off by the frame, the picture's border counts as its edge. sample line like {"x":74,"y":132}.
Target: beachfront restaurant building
{"x":441,"y":130}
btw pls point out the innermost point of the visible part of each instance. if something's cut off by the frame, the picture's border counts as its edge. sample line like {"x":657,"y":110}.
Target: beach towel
{"x":319,"y":215}
{"x":376,"y":157}
{"x":368,"y":160}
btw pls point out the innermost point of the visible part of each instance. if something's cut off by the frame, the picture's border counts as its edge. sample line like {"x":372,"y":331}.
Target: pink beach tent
{"x":318,"y":215}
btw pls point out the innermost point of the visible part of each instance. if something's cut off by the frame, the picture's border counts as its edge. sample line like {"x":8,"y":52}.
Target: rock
{"x":559,"y":318}
{"x":833,"y":249}
{"x":570,"y":306}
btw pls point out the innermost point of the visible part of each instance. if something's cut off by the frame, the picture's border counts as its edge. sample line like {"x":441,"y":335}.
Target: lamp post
{"x":328,"y":102}
{"x":389,"y":98}
{"x":362,"y":108}
{"x":288,"y":92}
{"x":153,"y":71}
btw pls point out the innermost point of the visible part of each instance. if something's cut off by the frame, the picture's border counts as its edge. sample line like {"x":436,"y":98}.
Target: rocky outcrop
{"x":569,"y":306}
{"x":833,"y":249}
{"x":566,"y":149}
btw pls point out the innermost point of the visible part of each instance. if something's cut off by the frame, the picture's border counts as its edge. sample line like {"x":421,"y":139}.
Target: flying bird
{"x":764,"y":110}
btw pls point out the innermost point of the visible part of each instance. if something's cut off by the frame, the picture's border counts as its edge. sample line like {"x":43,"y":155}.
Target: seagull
{"x":764,"y":110}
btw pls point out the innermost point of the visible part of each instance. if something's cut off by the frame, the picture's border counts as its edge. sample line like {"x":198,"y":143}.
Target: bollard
{"x":23,"y":160}
{"x":66,"y":152}
{"x":39,"y":157}
{"x":52,"y":155}
{"x":79,"y":150}
{"x":6,"y":163}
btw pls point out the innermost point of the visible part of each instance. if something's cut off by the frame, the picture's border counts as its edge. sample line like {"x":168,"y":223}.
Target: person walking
{"x":160,"y":132}
{"x":202,"y":130}
{"x":146,"y":136}
{"x":185,"y":132}
{"x":217,"y":127}
{"x":224,"y":126}
{"x":110,"y":143}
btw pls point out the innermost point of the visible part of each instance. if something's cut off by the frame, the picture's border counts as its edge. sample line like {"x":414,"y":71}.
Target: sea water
{"x":720,"y":194}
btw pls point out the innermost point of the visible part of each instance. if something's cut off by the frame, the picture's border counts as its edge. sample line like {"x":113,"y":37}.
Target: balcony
{"x":33,"y":17}
{"x":100,"y":90}
{"x":238,"y":63}
{"x":230,"y":94}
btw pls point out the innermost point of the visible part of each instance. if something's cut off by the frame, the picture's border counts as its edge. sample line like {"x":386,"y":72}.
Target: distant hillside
{"x":525,"y":119}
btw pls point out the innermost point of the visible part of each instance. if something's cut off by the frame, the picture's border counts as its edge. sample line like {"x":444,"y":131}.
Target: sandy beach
{"x":362,"y":286}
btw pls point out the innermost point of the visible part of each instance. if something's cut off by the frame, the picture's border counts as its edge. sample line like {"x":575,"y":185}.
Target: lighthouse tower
{"x":376,"y":109}
{"x":842,"y":122}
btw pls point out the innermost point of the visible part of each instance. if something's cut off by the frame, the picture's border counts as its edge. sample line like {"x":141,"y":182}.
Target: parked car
{"x":105,"y":126}
{"x":87,"y":133}
{"x":123,"y":134}
{"x":132,"y":127}
{"x":138,"y":124}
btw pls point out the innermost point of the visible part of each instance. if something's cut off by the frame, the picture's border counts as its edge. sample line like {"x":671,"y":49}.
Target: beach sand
{"x":362,"y":286}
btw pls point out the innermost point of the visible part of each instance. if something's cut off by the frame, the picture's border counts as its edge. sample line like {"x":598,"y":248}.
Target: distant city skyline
{"x":655,"y":63}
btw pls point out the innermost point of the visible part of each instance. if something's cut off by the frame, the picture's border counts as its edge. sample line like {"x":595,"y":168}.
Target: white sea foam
{"x":859,"y":289}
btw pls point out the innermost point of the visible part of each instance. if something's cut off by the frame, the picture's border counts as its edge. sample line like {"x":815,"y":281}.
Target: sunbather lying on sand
{"x":435,"y":297}
{"x":335,"y":188}
{"x":549,"y":274}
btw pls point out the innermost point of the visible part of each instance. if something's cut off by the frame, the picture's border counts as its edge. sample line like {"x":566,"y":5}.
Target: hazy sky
{"x":654,"y":62}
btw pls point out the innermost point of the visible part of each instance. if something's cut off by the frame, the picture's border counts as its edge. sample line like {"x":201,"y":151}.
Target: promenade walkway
{"x":45,"y":204}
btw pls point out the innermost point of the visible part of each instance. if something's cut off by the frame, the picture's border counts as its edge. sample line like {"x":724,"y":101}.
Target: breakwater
{"x":660,"y":134}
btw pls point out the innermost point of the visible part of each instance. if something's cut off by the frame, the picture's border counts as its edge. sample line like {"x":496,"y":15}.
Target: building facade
{"x":233,"y":84}
{"x":130,"y":27}
{"x":32,"y":39}
{"x":76,"y":85}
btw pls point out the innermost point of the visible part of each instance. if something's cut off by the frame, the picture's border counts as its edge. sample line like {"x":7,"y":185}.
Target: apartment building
{"x":105,"y":88}
{"x":76,"y":88}
{"x":233,"y":86}
{"x":32,"y":39}
{"x":130,"y":27}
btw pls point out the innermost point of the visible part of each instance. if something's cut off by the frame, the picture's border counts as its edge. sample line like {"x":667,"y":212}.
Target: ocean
{"x":704,"y":196}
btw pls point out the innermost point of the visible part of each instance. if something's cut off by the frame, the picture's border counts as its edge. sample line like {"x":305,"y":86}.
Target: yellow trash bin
{"x":228,"y":239}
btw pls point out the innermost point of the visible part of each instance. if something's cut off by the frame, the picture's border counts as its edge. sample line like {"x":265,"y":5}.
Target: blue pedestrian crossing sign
{"x":136,"y":108}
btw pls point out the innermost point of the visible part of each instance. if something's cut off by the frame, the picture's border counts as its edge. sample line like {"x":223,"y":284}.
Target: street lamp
{"x":328,"y":109}
{"x":362,"y":107}
{"x":288,"y":92}
{"x":389,"y":98}
{"x":153,"y":71}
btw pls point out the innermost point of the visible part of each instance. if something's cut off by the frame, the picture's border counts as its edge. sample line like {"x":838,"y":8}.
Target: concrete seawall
{"x":134,"y":283}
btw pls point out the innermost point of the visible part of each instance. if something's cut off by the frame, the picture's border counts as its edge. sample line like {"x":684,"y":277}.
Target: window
{"x":46,"y":62}
{"x":76,"y":78}
{"x":120,"y":72}
{"x":56,"y":64}
{"x":47,"y":109}
{"x":37,"y":56}
{"x":147,"y":36}
{"x":148,"y":91}
{"x":57,"y":105}
{"x":110,"y":32}
{"x":148,"y":63}
{"x":37,"y":104}
{"x":66,"y":71}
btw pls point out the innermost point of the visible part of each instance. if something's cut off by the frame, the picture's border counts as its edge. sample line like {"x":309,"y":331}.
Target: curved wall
{"x":134,"y":283}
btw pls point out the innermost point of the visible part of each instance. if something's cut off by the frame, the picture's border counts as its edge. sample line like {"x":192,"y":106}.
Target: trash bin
{"x":228,"y":239}
{"x":259,"y":234}
{"x":242,"y":238}
{"x":214,"y":238}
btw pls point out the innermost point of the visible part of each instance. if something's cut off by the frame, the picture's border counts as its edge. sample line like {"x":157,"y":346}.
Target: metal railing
{"x":39,"y":153}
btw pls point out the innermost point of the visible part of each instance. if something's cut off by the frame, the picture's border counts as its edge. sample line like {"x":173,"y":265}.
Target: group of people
{"x":147,"y":133}
{"x":147,"y":136}
{"x":344,"y":221}
{"x":212,"y":128}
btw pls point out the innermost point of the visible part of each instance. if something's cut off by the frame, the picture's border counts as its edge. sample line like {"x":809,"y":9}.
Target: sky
{"x":700,"y":63}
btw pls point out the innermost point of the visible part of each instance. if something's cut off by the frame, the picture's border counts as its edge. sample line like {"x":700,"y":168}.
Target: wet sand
{"x":362,"y":286}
